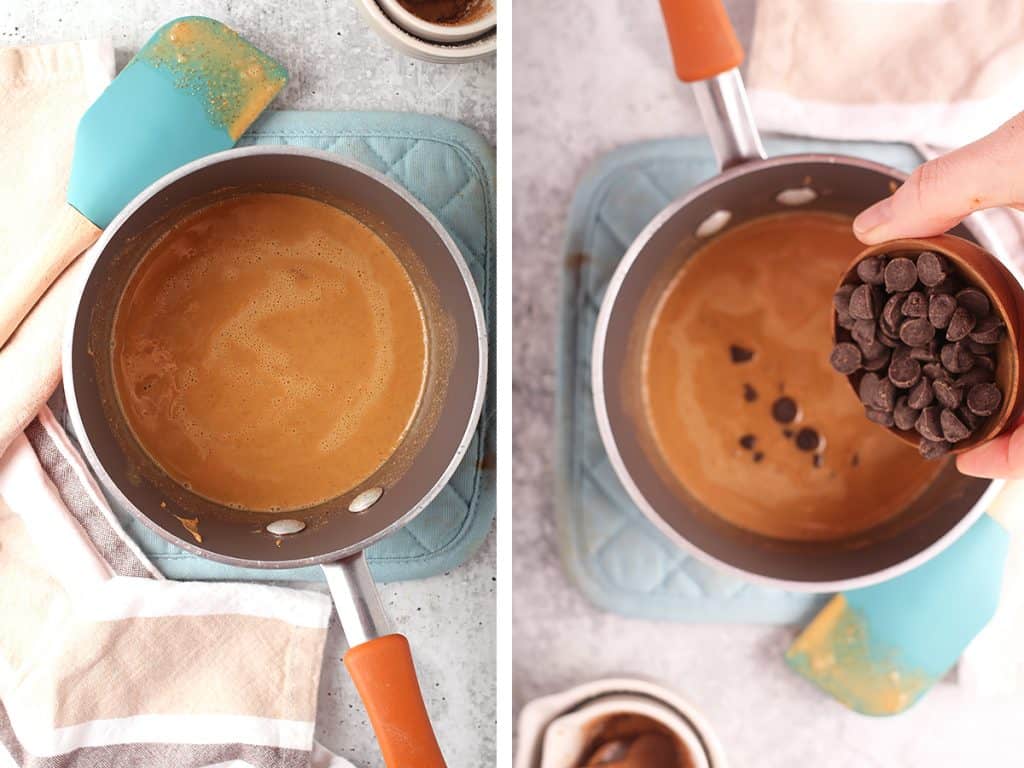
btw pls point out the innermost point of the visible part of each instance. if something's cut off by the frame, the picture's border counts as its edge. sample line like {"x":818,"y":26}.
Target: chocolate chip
{"x":758,"y":456}
{"x":953,"y":430}
{"x":947,"y":394}
{"x":980,"y":349}
{"x":872,"y":270}
{"x":988,"y":330}
{"x":864,"y":332}
{"x":750,"y":394}
{"x":916,"y":332}
{"x":979,"y":374}
{"x":948,"y":285}
{"x":879,"y":361}
{"x":900,"y":275}
{"x":960,"y":324}
{"x":903,"y":415}
{"x":885,"y":397}
{"x":932,"y":268}
{"x":984,"y":399}
{"x":845,"y":320}
{"x":846,"y":358}
{"x":864,"y":302}
{"x":974,"y":301}
{"x":928,"y":424}
{"x":867,"y":390}
{"x":807,"y":439}
{"x":904,"y":371}
{"x":921,"y":395}
{"x":956,"y":358}
{"x":747,"y":442}
{"x":841,"y":298}
{"x":927,"y":354}
{"x":892,"y":313}
{"x":935,"y":371}
{"x":740,"y":354}
{"x":871,"y":349}
{"x":984,"y":361}
{"x":932,"y":449}
{"x":941,"y":307}
{"x":879,"y":417}
{"x":972,"y":421}
{"x":883,"y":337}
{"x":784,"y":410}
{"x":915,"y":305}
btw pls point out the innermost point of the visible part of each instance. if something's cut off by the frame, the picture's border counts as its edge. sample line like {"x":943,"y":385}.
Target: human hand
{"x":986,"y":174}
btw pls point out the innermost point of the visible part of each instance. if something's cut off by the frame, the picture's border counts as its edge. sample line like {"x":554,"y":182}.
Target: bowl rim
{"x":440,"y":33}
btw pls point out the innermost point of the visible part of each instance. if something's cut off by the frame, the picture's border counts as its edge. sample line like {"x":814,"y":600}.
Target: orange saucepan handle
{"x":385,"y":677}
{"x":703,"y":41}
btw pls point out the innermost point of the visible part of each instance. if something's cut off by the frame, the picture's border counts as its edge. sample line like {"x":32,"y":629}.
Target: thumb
{"x":943,"y":191}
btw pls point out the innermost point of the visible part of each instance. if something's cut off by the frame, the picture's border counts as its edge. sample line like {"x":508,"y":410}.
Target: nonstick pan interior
{"x":440,"y":432}
{"x":815,"y":182}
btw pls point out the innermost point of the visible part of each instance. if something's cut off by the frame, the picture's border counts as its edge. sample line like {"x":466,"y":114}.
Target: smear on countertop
{"x":235,"y":79}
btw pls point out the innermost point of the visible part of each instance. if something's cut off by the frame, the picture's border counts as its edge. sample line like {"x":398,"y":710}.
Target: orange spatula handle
{"x":385,"y":677}
{"x":703,"y":41}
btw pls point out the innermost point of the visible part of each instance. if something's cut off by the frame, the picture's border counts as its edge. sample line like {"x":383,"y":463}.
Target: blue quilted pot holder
{"x":450,"y":169}
{"x":617,"y":558}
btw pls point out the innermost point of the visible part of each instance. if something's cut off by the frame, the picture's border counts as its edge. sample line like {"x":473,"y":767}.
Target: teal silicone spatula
{"x":191,"y":90}
{"x":878,"y":650}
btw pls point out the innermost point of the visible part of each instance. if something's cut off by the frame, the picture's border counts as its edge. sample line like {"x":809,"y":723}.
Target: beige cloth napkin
{"x":105,"y":663}
{"x":43,"y":92}
{"x":934,"y":74}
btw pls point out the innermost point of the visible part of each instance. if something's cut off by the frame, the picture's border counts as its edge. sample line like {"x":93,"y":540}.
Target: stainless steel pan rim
{"x":608,"y":437}
{"x":111,"y":488}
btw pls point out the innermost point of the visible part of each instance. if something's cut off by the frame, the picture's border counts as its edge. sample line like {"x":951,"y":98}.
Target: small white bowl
{"x":441,"y":33}
{"x":421,"y":48}
{"x":554,"y":730}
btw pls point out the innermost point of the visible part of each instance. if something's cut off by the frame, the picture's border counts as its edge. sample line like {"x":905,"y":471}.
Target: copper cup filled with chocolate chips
{"x":928,"y":333}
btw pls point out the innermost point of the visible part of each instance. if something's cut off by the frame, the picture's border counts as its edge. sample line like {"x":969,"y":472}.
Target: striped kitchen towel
{"x":104,"y":663}
{"x":937,"y":74}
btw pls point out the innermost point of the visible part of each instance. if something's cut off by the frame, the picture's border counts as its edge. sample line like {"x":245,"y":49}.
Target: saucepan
{"x":333,"y":534}
{"x":707,"y":56}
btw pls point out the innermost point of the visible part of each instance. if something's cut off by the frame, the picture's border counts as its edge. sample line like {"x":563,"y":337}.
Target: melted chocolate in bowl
{"x":744,"y":407}
{"x":269,"y":352}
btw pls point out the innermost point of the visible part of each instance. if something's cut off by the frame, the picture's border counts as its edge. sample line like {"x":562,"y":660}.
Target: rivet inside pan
{"x":796,"y":196}
{"x":365,"y":500}
{"x":285,"y":527}
{"x":713,"y":224}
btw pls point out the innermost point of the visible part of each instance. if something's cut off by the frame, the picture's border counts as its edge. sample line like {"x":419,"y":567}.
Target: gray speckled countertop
{"x":591,"y":77}
{"x":337,"y":62}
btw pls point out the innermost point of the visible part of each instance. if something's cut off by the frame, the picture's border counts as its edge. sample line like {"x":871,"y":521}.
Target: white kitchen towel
{"x":937,"y":74}
{"x":105,"y":663}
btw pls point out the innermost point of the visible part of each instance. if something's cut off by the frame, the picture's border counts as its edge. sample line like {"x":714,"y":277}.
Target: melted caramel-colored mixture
{"x":766,"y":287}
{"x":269,"y":352}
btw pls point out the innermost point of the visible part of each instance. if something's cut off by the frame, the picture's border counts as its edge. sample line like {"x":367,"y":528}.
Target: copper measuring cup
{"x":980,"y":269}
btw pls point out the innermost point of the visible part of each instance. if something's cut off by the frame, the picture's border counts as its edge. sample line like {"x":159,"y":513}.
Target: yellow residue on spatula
{"x":236,"y":79}
{"x":834,"y":651}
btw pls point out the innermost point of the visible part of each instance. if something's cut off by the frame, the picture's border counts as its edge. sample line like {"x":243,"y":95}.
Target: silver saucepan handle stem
{"x":356,"y":599}
{"x":724,"y":108}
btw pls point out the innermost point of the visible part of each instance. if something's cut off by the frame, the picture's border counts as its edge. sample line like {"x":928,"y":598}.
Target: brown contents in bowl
{"x":921,"y":346}
{"x":815,"y":469}
{"x":448,"y":11}
{"x":635,"y":741}
{"x":269,"y":352}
